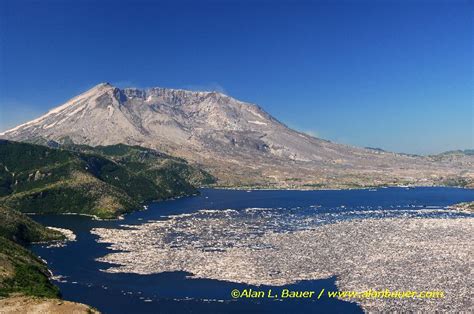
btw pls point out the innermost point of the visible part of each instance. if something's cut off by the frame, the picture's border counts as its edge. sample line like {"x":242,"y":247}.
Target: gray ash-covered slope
{"x":236,"y":141}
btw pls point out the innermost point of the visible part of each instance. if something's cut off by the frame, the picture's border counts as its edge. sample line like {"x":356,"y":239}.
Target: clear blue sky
{"x":391,"y":74}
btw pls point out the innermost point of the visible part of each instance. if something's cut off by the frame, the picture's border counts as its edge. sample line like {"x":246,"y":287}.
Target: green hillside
{"x":19,"y":228}
{"x":104,"y":181}
{"x":166,"y":171}
{"x":21,"y":271}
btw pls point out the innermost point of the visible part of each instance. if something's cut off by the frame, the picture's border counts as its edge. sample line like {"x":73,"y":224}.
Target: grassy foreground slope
{"x":20,"y":270}
{"x":104,"y":182}
{"x":24,"y":278}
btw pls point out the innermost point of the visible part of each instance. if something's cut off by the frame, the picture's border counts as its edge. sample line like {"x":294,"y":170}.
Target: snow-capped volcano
{"x":236,"y":141}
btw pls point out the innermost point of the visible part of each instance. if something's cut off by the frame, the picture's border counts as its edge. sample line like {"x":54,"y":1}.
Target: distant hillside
{"x":164,"y":170}
{"x":377,"y":149}
{"x":467,"y":152}
{"x":467,"y":207}
{"x":104,"y":181}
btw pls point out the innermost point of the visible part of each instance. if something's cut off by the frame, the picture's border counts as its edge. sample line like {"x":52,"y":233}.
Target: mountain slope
{"x":165,"y":171}
{"x":237,"y":142}
{"x":20,"y":270}
{"x":39,"y":179}
{"x":25,"y":285}
{"x":21,"y":229}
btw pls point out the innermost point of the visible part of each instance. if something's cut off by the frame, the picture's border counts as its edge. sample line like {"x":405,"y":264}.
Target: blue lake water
{"x":81,"y":279}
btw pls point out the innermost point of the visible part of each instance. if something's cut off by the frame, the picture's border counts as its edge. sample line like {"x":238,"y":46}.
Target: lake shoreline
{"x":215,"y":203}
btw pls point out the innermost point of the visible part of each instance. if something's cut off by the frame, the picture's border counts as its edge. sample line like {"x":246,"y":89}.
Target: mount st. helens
{"x":237,"y":142}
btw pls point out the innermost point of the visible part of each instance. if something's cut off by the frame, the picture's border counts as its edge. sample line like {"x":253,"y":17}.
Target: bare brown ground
{"x":32,"y":305}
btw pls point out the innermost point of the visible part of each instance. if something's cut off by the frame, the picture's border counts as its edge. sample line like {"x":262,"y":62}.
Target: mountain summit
{"x":236,"y":141}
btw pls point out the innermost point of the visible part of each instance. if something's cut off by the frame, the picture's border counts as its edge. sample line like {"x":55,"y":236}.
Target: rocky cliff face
{"x":236,"y":141}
